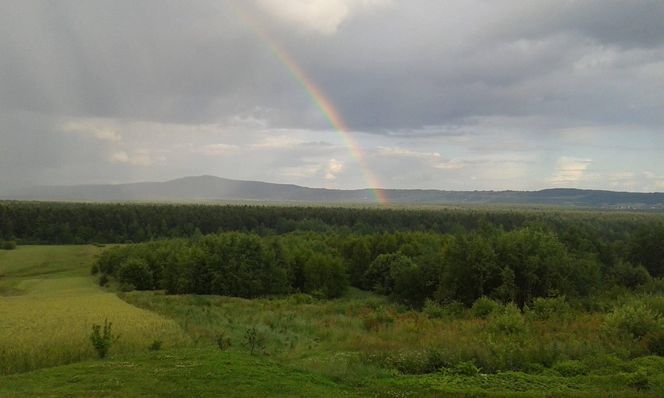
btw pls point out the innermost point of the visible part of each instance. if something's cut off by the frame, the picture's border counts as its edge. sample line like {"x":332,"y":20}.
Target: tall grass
{"x":355,"y":333}
{"x":48,"y":313}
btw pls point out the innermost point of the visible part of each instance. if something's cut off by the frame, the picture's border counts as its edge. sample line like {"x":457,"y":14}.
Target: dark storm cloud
{"x":625,"y":23}
{"x":198,"y":61}
{"x":159,"y":60}
{"x":472,"y":77}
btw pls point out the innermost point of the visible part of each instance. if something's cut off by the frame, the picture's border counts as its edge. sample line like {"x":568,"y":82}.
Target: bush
{"x":633,"y":319}
{"x":550,"y":308}
{"x":511,"y":321}
{"x":126,"y":287}
{"x":223,"y":341}
{"x":570,"y":368}
{"x":155,"y":346}
{"x":484,"y":307}
{"x":654,"y":341}
{"x":301,"y":298}
{"x":464,"y":369}
{"x":655,"y":303}
{"x":435,"y":360}
{"x":629,"y":275}
{"x":433,"y":310}
{"x":654,"y":286}
{"x":103,"y":339}
{"x":639,"y":380}
{"x":8,"y":245}
{"x":103,"y":280}
{"x":136,"y":272}
{"x":254,"y":340}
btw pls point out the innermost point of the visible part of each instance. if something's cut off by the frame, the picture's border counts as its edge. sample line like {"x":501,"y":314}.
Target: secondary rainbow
{"x":320,"y":99}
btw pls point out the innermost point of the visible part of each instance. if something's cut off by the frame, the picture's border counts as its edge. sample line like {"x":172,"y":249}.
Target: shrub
{"x":654,"y":341}
{"x":654,"y":286}
{"x":136,"y":272}
{"x":511,"y":321}
{"x":464,"y":369}
{"x":605,"y":364}
{"x":8,"y":245}
{"x":103,"y":338}
{"x":254,"y":340}
{"x":301,"y":298}
{"x":126,"y":287}
{"x":435,"y":360}
{"x":155,"y":346}
{"x":484,"y":307}
{"x":655,"y":303}
{"x":570,"y":368}
{"x":639,"y":380}
{"x":433,"y":310}
{"x":633,"y":319}
{"x":550,"y":308}
{"x":629,"y":275}
{"x":103,"y":280}
{"x":223,"y":341}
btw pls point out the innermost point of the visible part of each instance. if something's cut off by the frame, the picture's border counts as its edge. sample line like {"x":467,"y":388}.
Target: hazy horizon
{"x":344,"y":94}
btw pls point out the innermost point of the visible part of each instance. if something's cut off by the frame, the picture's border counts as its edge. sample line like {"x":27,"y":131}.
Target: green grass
{"x":48,"y":302}
{"x":211,"y":373}
{"x":178,"y":373}
{"x":359,"y":345}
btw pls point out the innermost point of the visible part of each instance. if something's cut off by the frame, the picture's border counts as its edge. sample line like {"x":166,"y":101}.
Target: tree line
{"x":411,"y":267}
{"x":67,"y":223}
{"x":411,"y":254}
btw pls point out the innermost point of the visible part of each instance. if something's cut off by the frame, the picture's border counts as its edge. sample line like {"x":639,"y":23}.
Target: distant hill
{"x":209,"y":188}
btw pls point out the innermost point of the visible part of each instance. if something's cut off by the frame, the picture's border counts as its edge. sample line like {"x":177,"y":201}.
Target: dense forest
{"x":411,"y":255}
{"x":67,"y":223}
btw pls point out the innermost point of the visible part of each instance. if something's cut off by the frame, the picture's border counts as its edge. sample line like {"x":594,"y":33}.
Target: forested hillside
{"x":411,"y":255}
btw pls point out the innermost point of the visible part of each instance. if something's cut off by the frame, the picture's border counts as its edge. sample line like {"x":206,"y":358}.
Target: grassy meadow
{"x":361,"y":344}
{"x":48,"y":302}
{"x":364,"y":341}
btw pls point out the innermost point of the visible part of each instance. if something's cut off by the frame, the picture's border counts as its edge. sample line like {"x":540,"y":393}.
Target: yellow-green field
{"x":48,"y":302}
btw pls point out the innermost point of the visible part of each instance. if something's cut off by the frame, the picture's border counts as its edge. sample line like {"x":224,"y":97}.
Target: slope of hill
{"x":216,"y":188}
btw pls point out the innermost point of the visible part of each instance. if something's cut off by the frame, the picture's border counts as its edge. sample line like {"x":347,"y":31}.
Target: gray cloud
{"x":114,"y":90}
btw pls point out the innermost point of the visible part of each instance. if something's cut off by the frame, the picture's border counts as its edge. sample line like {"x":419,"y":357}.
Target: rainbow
{"x":322,"y":102}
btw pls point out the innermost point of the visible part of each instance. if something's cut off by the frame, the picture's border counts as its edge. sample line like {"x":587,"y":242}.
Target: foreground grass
{"x":48,"y":303}
{"x":208,"y":373}
{"x":179,"y":373}
{"x":343,"y":341}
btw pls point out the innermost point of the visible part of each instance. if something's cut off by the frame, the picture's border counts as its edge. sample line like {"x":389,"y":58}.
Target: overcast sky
{"x":446,"y":94}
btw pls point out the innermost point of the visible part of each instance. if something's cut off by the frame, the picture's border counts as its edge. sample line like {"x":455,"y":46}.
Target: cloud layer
{"x":454,"y":94}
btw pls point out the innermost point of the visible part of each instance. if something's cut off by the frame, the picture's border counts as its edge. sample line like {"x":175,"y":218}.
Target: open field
{"x":48,"y":302}
{"x":363,"y":341}
{"x":361,"y":344}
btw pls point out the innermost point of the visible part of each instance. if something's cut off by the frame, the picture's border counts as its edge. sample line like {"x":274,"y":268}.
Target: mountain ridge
{"x":207,"y":187}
